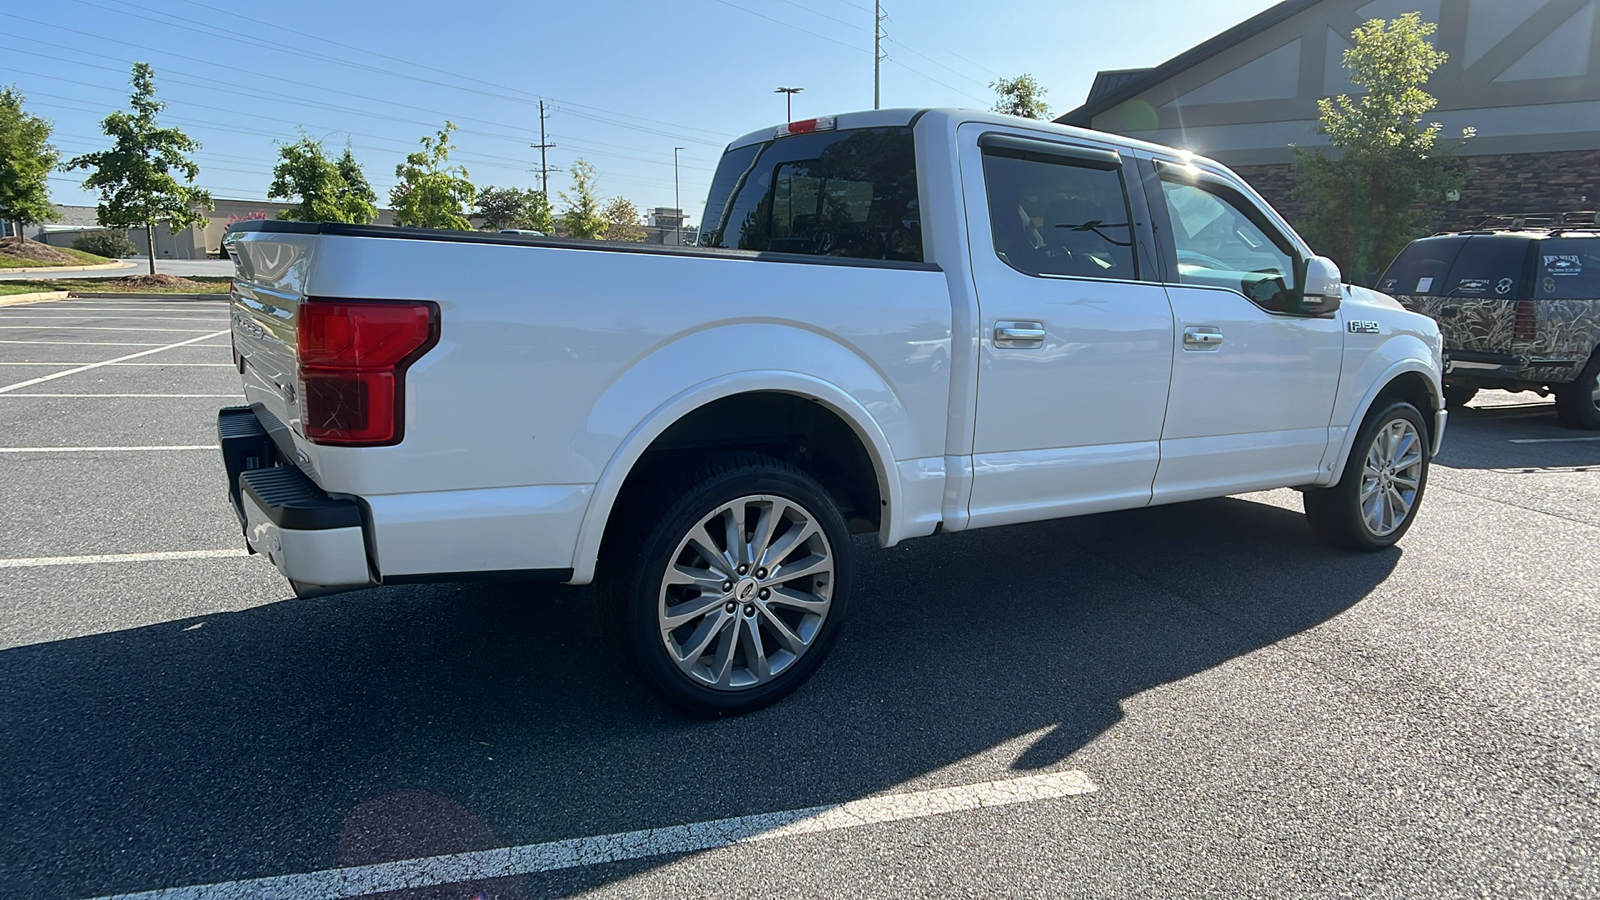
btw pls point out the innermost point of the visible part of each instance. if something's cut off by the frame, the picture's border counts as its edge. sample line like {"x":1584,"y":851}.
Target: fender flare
{"x":1341,"y":457}
{"x":586,"y":554}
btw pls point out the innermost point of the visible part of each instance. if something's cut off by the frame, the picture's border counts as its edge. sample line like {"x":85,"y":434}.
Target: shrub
{"x":110,"y":244}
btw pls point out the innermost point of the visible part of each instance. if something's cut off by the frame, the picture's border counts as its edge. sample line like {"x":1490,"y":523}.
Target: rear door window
{"x":1569,"y":269}
{"x":849,"y":193}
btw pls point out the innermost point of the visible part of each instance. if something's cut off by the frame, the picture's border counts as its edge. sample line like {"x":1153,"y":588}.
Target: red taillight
{"x":1527,"y":320}
{"x":353,"y":360}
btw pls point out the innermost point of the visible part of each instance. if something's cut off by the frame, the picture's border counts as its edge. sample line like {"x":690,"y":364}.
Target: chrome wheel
{"x":1391,"y":477}
{"x":1594,"y":392}
{"x":746,"y":593}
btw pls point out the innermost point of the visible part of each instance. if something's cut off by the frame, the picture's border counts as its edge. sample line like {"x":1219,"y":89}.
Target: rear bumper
{"x":315,"y":540}
{"x":324,"y":543}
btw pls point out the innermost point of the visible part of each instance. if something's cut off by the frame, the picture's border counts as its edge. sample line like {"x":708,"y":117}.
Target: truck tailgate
{"x":270,"y":274}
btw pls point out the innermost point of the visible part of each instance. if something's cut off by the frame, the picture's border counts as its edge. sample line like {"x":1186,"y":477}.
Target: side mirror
{"x":1322,"y":287}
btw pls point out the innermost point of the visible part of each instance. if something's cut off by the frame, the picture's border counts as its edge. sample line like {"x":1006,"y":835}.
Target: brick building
{"x":1524,"y":73}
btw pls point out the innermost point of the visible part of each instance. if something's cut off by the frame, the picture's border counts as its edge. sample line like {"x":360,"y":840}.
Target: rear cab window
{"x":1058,"y":210}
{"x":850,"y":193}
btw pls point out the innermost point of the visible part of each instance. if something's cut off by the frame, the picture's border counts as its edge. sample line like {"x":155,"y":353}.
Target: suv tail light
{"x":1527,"y":324}
{"x":353,"y":360}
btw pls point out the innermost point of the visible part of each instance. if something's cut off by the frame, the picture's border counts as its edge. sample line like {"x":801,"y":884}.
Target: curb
{"x":109,"y":265}
{"x":141,"y":295}
{"x":19,"y":299}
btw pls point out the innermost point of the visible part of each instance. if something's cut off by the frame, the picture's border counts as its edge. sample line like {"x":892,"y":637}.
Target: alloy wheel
{"x":746,"y":593}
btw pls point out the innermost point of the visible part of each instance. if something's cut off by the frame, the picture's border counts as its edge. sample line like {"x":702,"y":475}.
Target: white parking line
{"x":1553,"y":440}
{"x":92,"y":328}
{"x":43,"y":378}
{"x":48,"y":364}
{"x":482,"y":865}
{"x":100,"y":558}
{"x":88,"y":343}
{"x":58,"y":396}
{"x":105,"y":449}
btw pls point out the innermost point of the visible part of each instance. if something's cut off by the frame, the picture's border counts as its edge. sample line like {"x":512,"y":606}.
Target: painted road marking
{"x":222,"y":365}
{"x":482,"y":865}
{"x":213,"y":396}
{"x":43,"y":378}
{"x":119,"y":558}
{"x":93,"y":328}
{"x":104,"y":449}
{"x":1553,"y":440}
{"x":89,"y":343}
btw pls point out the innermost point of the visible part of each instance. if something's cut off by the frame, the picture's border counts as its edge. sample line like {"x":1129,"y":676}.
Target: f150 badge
{"x":1359,"y":327}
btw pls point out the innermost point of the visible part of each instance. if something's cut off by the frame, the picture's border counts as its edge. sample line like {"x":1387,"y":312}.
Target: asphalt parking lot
{"x":1185,"y":701}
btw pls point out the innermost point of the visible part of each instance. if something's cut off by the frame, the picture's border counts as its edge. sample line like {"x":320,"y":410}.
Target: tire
{"x":1388,"y":469}
{"x":1578,"y":403}
{"x":1459,"y":395}
{"x":744,"y":637}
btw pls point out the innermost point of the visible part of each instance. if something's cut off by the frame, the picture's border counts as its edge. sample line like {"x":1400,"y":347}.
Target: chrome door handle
{"x":1201,"y":339}
{"x":1019,"y":335}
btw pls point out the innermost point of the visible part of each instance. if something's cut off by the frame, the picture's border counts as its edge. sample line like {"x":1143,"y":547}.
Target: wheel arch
{"x":831,"y":401}
{"x":1414,"y":380}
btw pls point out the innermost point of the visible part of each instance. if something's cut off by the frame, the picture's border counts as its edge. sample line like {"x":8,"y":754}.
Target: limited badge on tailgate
{"x":1359,"y":327}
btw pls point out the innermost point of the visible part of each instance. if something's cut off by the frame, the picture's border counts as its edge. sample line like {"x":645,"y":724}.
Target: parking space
{"x":1192,"y":700}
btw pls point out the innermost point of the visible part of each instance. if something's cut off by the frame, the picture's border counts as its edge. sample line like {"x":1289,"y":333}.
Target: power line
{"x":792,"y":25}
{"x":499,"y":93}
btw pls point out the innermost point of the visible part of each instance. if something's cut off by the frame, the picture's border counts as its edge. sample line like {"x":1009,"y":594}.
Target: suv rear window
{"x":847,"y":193}
{"x":1569,"y":268}
{"x":1478,"y":265}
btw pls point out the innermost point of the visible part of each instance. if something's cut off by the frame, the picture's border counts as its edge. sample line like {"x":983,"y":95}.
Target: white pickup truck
{"x":897,"y":322}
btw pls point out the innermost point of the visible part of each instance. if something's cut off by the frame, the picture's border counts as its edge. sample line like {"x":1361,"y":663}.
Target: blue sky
{"x":625,"y":81}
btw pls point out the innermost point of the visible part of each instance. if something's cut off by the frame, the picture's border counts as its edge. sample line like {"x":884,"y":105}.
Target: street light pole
{"x":788,"y":101}
{"x":675,"y":201}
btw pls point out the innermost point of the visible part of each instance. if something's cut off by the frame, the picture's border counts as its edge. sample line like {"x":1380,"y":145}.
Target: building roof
{"x":1125,"y":84}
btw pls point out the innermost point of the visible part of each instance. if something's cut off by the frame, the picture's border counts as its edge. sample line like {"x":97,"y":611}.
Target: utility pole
{"x":788,"y":101}
{"x":877,"y":52}
{"x":542,"y":146}
{"x":678,"y":204}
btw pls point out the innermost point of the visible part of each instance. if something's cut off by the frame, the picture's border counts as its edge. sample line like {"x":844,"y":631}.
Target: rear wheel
{"x":1578,"y":403}
{"x":1376,"y":499}
{"x":729,"y":593}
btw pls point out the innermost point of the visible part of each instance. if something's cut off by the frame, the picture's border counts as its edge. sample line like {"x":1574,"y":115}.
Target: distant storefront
{"x":73,"y":222}
{"x":1524,"y":73}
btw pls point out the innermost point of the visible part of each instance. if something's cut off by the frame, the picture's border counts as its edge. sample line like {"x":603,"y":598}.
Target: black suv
{"x":1518,"y":303}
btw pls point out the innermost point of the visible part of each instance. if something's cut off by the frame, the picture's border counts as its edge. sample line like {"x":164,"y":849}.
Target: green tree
{"x":431,"y":193}
{"x":1381,"y":188}
{"x":304,"y":171}
{"x":1020,"y":96}
{"x":581,"y":216}
{"x":26,"y":160}
{"x":136,"y":178}
{"x":623,"y":222}
{"x":355,"y":179}
{"x":522,"y":208}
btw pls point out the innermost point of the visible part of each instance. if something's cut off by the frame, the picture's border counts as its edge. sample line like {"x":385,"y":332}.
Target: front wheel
{"x":1377,"y":497}
{"x":731,"y":590}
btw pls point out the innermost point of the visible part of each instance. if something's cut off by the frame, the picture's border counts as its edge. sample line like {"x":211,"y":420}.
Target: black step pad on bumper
{"x":291,"y":500}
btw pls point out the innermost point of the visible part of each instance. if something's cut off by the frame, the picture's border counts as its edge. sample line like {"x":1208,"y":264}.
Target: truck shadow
{"x":416,"y":721}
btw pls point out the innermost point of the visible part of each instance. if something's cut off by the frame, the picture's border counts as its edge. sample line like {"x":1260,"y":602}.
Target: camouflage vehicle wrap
{"x":1518,"y":310}
{"x":1562,"y":329}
